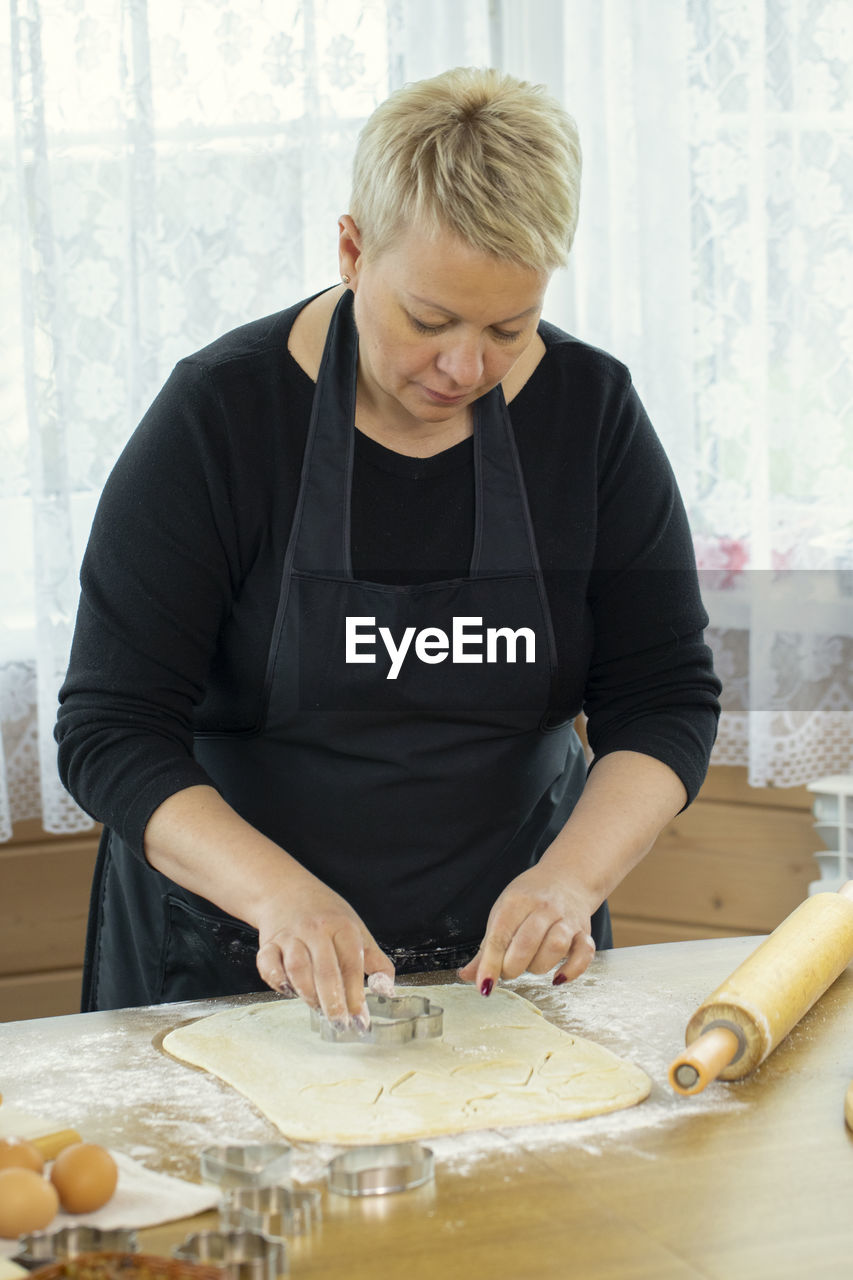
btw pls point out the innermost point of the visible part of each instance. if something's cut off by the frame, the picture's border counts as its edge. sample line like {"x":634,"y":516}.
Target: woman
{"x":351,"y":582}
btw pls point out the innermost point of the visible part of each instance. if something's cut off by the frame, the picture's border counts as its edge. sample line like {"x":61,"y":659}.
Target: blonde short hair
{"x":490,"y":158}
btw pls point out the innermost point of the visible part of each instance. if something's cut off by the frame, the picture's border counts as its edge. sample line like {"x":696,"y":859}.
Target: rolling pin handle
{"x":686,"y":1075}
{"x":50,"y":1144}
{"x":704,"y":1059}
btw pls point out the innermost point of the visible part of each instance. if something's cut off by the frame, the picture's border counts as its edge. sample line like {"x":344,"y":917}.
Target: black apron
{"x":416,"y":790}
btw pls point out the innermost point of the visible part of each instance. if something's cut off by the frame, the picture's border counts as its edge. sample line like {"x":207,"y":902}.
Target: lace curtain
{"x":715,"y":256}
{"x":171,"y":171}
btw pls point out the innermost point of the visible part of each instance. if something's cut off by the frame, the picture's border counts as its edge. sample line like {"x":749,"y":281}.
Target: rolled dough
{"x":499,"y":1063}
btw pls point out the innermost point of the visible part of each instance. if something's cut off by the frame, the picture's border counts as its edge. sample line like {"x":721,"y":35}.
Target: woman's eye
{"x":425,"y":328}
{"x":502,"y":335}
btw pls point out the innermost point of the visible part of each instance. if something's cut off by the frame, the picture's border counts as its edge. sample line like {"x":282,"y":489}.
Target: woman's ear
{"x":349,"y":249}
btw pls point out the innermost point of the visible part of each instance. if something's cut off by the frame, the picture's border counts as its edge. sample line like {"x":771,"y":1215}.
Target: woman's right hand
{"x":313,"y":943}
{"x":310,"y":940}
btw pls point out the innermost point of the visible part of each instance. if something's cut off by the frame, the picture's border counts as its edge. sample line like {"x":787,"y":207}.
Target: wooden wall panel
{"x":633,"y":931}
{"x":736,"y":862}
{"x":45,"y":899}
{"x":40,"y":995}
{"x":46,"y":886}
{"x":727,"y":783}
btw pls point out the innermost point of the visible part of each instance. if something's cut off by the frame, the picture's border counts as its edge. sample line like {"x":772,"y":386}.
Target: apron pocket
{"x":206,"y":955}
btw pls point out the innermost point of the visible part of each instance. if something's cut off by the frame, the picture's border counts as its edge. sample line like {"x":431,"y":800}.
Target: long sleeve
{"x":651,"y":684}
{"x":183,"y":548}
{"x":150,"y":607}
{"x":618,"y":562}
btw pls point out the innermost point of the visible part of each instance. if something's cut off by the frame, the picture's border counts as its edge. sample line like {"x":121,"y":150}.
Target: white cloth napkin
{"x":141,"y":1199}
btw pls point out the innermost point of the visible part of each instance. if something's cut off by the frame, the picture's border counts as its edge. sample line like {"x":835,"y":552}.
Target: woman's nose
{"x":463,"y":362}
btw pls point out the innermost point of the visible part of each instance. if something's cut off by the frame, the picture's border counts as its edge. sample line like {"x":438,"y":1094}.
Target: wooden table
{"x":745,"y":1181}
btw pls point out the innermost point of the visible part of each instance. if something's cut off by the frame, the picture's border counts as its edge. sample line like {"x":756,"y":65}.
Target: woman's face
{"x":439,"y":324}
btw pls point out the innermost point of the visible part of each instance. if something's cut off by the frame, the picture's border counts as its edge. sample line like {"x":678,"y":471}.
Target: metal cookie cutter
{"x":393,"y":1020}
{"x":69,"y":1242}
{"x":377,"y":1171}
{"x":276,"y":1211}
{"x":261,"y":1164}
{"x":242,"y":1255}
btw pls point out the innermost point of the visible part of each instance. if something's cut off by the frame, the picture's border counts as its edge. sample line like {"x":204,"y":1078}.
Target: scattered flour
{"x":106,"y":1076}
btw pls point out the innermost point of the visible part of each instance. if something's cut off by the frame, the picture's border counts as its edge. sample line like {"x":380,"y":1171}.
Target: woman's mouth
{"x":440,"y":398}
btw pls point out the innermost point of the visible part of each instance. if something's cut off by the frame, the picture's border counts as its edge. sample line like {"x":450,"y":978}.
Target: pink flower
{"x":722,"y":560}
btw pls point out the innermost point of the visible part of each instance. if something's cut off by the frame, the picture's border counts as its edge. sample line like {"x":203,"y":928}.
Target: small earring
{"x":345,"y":279}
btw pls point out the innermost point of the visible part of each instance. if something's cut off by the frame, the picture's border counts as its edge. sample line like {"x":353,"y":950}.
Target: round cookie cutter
{"x":381,"y":1170}
{"x":240,"y":1255}
{"x":275,"y":1211}
{"x":262,"y":1164}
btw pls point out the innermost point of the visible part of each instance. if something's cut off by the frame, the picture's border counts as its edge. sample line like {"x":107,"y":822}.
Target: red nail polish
{"x":486,"y":987}
{"x":559,"y":979}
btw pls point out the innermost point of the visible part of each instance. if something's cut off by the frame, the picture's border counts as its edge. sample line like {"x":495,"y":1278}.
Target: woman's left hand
{"x":540,"y":921}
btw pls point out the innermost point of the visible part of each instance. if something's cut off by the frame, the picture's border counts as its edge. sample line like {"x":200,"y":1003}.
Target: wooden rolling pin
{"x":744,"y":1019}
{"x":50,"y":1144}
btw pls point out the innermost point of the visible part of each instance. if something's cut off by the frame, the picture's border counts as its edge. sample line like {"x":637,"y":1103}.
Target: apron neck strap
{"x":320,"y":539}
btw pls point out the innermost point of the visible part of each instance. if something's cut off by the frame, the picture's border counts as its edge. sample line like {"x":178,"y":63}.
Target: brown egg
{"x":16,"y":1153}
{"x":27,"y":1202}
{"x":85,"y":1175}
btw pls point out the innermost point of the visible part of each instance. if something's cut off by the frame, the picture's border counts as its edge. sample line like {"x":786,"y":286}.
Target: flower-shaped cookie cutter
{"x":42,"y":1247}
{"x":261,"y":1164}
{"x":276,"y":1211}
{"x":242,"y":1255}
{"x":393,"y":1020}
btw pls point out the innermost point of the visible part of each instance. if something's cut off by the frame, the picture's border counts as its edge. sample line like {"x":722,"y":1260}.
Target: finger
{"x":538,"y":935}
{"x":329,"y":981}
{"x":495,"y":945}
{"x":270,"y":966}
{"x":299,"y":967}
{"x":351,"y":964}
{"x":553,"y":949}
{"x":578,"y":960}
{"x":379,"y":984}
{"x":380,"y":978}
{"x":377,"y":963}
{"x":358,"y":954}
{"x":469,"y":971}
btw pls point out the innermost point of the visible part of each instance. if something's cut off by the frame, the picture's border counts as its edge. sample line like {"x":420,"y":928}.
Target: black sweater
{"x":184,"y":564}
